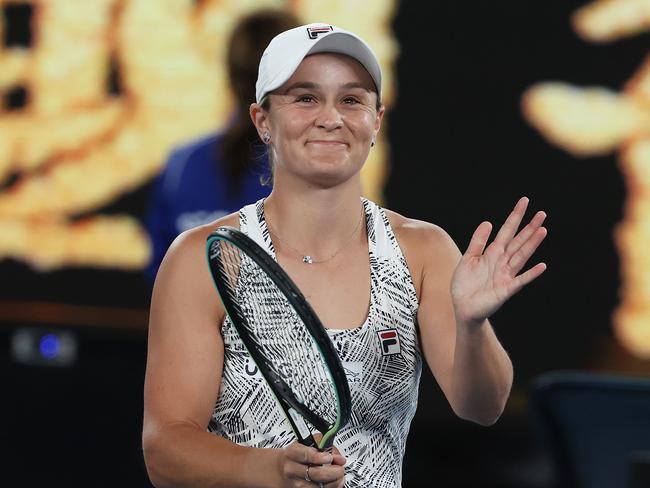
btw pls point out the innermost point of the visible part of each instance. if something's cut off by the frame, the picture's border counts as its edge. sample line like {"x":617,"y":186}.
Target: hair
{"x":247,"y":42}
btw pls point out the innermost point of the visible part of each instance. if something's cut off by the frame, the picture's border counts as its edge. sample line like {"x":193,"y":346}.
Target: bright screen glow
{"x":596,"y":121}
{"x":74,"y":146}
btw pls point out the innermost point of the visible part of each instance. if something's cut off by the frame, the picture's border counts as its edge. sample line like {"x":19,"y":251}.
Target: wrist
{"x":469,"y":323}
{"x":264,"y":467}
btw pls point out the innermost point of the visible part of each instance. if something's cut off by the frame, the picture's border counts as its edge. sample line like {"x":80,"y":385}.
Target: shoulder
{"x":192,"y":151}
{"x":425,"y":246}
{"x":195,"y":149}
{"x":187,"y":242}
{"x":417,"y":234}
{"x":199,"y":144}
{"x":196,"y":153}
{"x":184,"y":264}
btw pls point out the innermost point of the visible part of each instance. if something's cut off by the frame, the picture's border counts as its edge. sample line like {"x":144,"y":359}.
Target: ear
{"x":378,"y":119}
{"x":259,"y":116}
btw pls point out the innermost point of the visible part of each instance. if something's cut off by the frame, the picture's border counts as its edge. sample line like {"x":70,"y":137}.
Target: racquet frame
{"x":282,"y":392}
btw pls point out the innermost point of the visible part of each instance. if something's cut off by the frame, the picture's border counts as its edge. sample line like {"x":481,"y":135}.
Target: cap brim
{"x":344,"y":43}
{"x":340,"y":42}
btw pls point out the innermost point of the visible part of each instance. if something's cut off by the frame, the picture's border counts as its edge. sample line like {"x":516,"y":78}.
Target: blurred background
{"x":487,"y":102}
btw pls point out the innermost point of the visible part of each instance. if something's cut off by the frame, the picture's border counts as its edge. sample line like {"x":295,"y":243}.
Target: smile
{"x":326,"y":143}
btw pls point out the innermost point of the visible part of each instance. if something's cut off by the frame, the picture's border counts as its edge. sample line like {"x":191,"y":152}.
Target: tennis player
{"x":392,"y":292}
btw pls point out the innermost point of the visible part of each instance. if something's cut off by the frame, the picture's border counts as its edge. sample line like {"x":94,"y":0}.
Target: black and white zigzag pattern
{"x":382,"y":360}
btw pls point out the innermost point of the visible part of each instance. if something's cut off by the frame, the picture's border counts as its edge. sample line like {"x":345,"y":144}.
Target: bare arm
{"x":468,"y":362}
{"x":457,"y":295}
{"x":184,"y":367}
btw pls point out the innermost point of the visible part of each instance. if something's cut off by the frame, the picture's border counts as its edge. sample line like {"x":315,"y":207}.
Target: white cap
{"x":287,"y":50}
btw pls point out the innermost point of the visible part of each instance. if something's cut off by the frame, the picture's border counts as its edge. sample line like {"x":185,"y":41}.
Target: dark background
{"x":461,"y":153}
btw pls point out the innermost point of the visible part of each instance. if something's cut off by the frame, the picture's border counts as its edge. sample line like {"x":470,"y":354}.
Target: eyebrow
{"x":309,"y":85}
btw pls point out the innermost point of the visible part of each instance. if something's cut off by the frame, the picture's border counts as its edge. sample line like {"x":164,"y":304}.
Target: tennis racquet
{"x":283,"y":336}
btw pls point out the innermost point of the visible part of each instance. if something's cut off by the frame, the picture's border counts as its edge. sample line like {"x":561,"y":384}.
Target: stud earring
{"x":372,"y":143}
{"x":266,"y":138}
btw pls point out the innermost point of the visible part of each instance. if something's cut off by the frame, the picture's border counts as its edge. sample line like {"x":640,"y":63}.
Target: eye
{"x":351,"y":100}
{"x":305,"y":99}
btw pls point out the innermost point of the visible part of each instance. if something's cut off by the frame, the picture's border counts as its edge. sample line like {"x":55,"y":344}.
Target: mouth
{"x":326,"y":143}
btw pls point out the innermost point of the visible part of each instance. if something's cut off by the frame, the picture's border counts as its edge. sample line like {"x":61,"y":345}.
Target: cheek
{"x":292,"y":129}
{"x":363,"y":126}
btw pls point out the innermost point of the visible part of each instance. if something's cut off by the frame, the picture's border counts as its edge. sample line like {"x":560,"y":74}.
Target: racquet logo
{"x":314,"y":32}
{"x":389,"y":340}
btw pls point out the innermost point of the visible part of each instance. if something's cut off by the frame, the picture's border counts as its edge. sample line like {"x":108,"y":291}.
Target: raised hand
{"x":485,"y":278}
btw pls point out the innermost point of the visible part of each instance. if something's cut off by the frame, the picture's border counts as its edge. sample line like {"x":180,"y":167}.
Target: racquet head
{"x":282,"y":334}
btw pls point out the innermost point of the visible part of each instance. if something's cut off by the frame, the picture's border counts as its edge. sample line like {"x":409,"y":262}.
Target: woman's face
{"x":323,"y":119}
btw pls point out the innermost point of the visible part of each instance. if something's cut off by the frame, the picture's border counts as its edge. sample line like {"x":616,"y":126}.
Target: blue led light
{"x":49,"y":346}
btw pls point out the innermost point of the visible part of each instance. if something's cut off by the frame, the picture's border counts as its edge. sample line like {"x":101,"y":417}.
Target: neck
{"x":315,"y":221}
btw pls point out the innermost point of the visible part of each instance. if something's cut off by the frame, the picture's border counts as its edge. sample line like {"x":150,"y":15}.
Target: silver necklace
{"x":306,"y":258}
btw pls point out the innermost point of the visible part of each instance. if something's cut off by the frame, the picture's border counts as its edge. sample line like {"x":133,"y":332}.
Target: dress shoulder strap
{"x":385,"y":248}
{"x":251,"y":223}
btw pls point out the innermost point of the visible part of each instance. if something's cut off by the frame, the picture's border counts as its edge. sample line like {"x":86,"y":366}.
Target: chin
{"x":327,"y":175}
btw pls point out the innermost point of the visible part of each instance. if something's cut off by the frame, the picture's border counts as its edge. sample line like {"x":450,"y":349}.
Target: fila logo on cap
{"x":389,"y":342}
{"x":314,"y":32}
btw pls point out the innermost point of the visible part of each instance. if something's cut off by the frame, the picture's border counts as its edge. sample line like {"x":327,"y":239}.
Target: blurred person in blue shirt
{"x":218,"y":174}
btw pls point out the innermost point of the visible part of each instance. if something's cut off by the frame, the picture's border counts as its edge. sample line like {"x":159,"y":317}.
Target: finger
{"x":323,"y":457}
{"x":308,"y":455}
{"x":525,"y":278}
{"x":479,"y":240}
{"x":521,"y":257}
{"x":302,"y":454}
{"x":510,"y":226}
{"x":525,"y":234}
{"x":310,"y":475}
{"x":339,"y":460}
{"x":323,"y":460}
{"x":337,"y":457}
{"x":329,"y":473}
{"x":334,"y":484}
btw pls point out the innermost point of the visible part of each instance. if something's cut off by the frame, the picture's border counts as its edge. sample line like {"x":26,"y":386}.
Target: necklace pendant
{"x":307,"y":260}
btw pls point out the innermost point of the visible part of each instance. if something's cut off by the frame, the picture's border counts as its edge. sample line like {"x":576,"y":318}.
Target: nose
{"x":329,"y":118}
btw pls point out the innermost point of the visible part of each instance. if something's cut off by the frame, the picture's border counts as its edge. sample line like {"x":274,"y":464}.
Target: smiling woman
{"x":390,"y":290}
{"x":324,"y":126}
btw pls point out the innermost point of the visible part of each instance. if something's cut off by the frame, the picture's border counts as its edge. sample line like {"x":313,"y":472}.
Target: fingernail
{"x":327,"y":458}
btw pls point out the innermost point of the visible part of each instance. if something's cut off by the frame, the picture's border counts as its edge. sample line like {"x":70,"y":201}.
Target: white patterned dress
{"x":382,"y":360}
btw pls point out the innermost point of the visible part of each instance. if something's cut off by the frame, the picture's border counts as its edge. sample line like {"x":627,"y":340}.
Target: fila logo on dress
{"x":314,"y":32}
{"x":389,"y":342}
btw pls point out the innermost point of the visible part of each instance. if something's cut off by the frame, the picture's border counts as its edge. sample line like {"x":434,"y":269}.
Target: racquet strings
{"x":277,"y":332}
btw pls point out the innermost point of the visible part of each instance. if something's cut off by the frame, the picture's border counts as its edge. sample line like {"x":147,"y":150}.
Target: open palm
{"x":485,"y":278}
